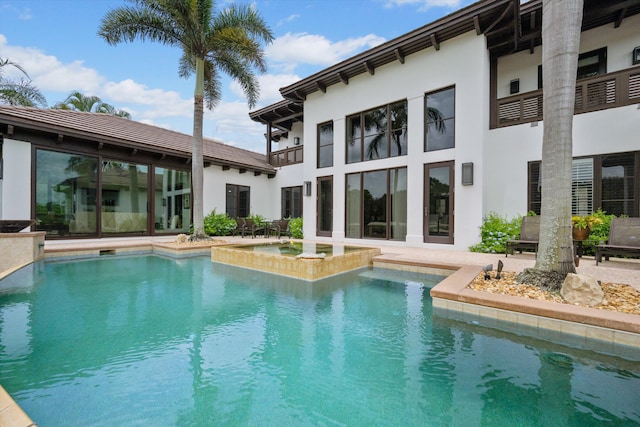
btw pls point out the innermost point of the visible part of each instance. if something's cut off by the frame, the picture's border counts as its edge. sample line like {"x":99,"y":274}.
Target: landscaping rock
{"x":582,"y":289}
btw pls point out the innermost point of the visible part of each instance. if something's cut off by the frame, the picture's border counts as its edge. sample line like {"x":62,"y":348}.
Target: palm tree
{"x":228,"y":42}
{"x":19,"y":92}
{"x":561,"y":24}
{"x":77,"y":101}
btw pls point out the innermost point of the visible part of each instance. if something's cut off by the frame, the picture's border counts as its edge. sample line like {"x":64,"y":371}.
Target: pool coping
{"x":454,"y":295}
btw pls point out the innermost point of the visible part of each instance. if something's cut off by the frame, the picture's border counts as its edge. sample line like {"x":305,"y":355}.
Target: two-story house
{"x":414,"y":141}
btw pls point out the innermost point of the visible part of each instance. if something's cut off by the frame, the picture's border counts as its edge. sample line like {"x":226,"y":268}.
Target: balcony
{"x":609,"y":90}
{"x":288,"y":156}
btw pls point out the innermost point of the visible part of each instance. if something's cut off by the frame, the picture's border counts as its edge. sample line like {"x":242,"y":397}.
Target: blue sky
{"x":55,"y":41}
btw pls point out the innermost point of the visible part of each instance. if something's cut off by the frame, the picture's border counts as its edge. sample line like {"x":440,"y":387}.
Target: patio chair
{"x":280,"y":227}
{"x":624,"y":239}
{"x":252,"y":227}
{"x":529,"y":236}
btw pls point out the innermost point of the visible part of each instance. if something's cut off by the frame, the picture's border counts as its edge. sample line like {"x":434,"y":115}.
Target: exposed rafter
{"x":434,"y":41}
{"x":620,"y":17}
{"x":476,"y":25}
{"x":343,"y":78}
{"x":321,"y":87}
{"x":399,"y":55}
{"x":369,"y":67}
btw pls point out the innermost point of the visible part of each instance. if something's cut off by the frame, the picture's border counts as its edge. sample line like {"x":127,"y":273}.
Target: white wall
{"x":262,"y":192}
{"x":16,"y":182}
{"x":462,"y":62}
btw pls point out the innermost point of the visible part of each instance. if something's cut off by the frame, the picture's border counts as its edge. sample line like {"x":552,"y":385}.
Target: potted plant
{"x":582,"y":225}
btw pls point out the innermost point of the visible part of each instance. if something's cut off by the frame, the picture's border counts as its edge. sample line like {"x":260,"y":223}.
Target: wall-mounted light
{"x":296,"y":140}
{"x":307,"y":188}
{"x":635,"y":59}
{"x":514,"y":86}
{"x":467,"y":173}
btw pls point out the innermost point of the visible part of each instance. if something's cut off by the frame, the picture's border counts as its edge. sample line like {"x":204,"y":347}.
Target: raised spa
{"x":301,"y":260}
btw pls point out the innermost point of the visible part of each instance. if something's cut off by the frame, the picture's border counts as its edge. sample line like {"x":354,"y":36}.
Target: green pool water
{"x":151,"y":341}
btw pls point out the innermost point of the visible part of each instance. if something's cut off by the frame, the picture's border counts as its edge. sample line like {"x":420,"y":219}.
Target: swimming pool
{"x":148,"y":340}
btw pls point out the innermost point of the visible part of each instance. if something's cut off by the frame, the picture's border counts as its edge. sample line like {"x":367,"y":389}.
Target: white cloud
{"x":163,"y":103}
{"x":48,"y":73}
{"x":303,"y":48}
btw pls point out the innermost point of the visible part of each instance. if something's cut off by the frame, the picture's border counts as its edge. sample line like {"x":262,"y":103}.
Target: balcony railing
{"x":596,"y":93}
{"x":288,"y":156}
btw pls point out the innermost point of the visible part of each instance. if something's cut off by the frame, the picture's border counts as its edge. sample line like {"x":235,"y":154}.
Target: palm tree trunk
{"x":561,"y":25}
{"x":197,"y":162}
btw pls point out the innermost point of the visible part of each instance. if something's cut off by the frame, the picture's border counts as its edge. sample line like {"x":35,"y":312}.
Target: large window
{"x":325,"y":145}
{"x":124,"y":197}
{"x":376,"y":204}
{"x":65,"y":193}
{"x":291,"y":202}
{"x":378,"y":133}
{"x":84,"y":195}
{"x":172,"y":190}
{"x":238,"y":201}
{"x":610,"y":182}
{"x":439,"y":120}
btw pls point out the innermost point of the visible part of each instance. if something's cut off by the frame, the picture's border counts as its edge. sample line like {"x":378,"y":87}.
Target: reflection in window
{"x":378,"y":133}
{"x":124,"y":197}
{"x":238,"y":201}
{"x":376,"y":203}
{"x":291,"y":202}
{"x":619,"y":184}
{"x":325,"y":145}
{"x":617,"y":181}
{"x":172,"y":190}
{"x":440,"y":119}
{"x":66,"y":193}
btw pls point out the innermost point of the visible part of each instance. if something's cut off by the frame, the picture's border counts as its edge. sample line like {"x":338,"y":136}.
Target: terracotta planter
{"x":581,"y":233}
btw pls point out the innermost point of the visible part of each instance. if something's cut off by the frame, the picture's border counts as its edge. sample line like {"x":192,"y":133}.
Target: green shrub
{"x":216,"y":224}
{"x":599,"y":231}
{"x":257,"y":218}
{"x":495,"y":231}
{"x":295,"y":227}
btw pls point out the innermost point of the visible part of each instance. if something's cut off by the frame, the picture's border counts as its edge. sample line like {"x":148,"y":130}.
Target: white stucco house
{"x":411,"y":143}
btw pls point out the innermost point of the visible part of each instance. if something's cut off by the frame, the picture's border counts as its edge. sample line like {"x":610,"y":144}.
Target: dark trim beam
{"x":434,"y":41}
{"x":399,"y":55}
{"x":369,"y":67}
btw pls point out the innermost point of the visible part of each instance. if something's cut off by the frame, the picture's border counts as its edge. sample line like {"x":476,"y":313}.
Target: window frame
{"x":535,"y":203}
{"x":388,"y":214}
{"x":388,"y":131}
{"x":238,"y":211}
{"x":328,"y":147}
{"x":287,"y":196}
{"x":445,"y":119}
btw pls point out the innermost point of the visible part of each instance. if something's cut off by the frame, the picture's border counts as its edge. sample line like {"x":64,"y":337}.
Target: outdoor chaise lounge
{"x":624,"y":239}
{"x":529,"y":236}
